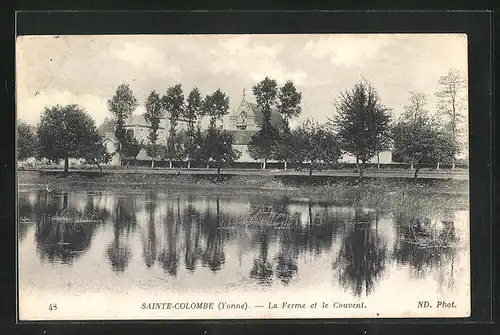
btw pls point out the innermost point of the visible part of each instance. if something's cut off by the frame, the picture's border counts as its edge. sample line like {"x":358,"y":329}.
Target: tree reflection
{"x":213,"y":255}
{"x":317,"y":235}
{"x":362,"y":257}
{"x":192,"y":232}
{"x":119,"y":251}
{"x":27,"y":212}
{"x":286,"y":259}
{"x":262,"y":269}
{"x":61,"y":233}
{"x":169,"y":257}
{"x":150,"y":241}
{"x":426,"y":245}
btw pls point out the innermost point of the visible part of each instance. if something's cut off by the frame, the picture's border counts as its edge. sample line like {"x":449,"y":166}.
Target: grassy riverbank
{"x":384,"y":172}
{"x":378,"y":193}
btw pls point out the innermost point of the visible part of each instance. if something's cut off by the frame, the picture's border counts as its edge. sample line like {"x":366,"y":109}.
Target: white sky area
{"x":86,"y":70}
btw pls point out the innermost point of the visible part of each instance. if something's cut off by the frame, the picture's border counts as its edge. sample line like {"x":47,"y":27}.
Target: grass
{"x":260,"y":217}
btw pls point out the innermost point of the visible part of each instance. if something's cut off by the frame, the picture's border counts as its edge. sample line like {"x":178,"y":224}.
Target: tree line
{"x":360,"y":125}
{"x":214,"y":144}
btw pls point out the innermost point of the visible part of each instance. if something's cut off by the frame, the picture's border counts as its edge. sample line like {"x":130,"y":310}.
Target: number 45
{"x":52,"y":307}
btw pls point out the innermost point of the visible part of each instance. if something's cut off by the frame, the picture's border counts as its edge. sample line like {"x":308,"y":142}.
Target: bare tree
{"x":416,"y":107}
{"x":450,"y":101}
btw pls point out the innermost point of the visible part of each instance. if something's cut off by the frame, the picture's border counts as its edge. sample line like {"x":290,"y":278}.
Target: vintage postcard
{"x":242,"y":176}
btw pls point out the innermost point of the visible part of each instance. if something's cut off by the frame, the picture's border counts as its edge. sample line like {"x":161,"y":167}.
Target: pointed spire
{"x":243,"y":94}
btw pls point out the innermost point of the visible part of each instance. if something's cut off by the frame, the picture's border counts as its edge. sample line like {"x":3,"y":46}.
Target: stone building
{"x":244,"y":122}
{"x":137,"y":126}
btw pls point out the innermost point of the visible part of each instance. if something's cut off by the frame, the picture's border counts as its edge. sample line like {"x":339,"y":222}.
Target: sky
{"x":86,"y":70}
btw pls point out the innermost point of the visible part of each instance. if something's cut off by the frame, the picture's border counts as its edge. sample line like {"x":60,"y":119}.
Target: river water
{"x":84,"y":243}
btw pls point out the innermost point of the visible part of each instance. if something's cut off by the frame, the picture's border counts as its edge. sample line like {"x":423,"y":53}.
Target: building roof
{"x":107,"y":126}
{"x":136,"y":119}
{"x":140,"y":120}
{"x":276,"y":118}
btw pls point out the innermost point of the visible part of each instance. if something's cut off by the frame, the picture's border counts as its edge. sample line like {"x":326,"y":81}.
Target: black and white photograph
{"x":242,"y":176}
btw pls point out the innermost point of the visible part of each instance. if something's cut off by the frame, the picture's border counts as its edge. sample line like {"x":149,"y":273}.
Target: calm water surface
{"x":77,"y":242}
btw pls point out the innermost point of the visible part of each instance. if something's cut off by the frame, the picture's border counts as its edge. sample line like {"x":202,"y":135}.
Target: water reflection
{"x":257,"y":241}
{"x":213,"y":255}
{"x":192,"y":237}
{"x":124,"y":221}
{"x":149,"y":238}
{"x":427,"y":245}
{"x":262,"y":269}
{"x":63,"y":232}
{"x":362,"y":258}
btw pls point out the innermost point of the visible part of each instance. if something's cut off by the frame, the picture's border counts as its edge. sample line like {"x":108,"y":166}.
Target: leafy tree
{"x":26,"y":141}
{"x":132,"y":147}
{"x":219,"y":146}
{"x":289,"y":103}
{"x":450,"y":101}
{"x":215,"y":106}
{"x":66,"y":132}
{"x":315,"y":144}
{"x":289,"y":107}
{"x":263,"y":144}
{"x":174,"y":150}
{"x":154,"y":151}
{"x":173,"y":102}
{"x":419,"y":143}
{"x":446,"y":148}
{"x":95,"y":153}
{"x":362,"y":123}
{"x":192,"y":113}
{"x":122,"y":105}
{"x":284,"y":148}
{"x":153,"y":116}
{"x":266,"y":93}
{"x":198,"y":152}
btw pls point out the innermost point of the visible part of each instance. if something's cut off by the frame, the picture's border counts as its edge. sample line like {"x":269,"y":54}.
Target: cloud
{"x":347,"y":50}
{"x":298,"y":77}
{"x":87,"y":69}
{"x":29,"y":108}
{"x":145,"y":57}
{"x":243,"y":55}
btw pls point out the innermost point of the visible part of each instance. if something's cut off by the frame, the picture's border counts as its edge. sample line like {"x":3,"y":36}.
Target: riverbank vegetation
{"x":373,"y":193}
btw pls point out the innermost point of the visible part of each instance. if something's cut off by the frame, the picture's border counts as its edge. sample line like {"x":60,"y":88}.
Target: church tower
{"x":243,"y":117}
